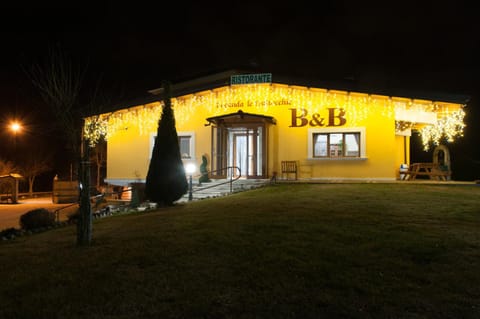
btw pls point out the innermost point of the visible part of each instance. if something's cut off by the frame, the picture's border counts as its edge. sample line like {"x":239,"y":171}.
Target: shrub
{"x":166,"y":180}
{"x":37,"y":218}
{"x":9,"y":232}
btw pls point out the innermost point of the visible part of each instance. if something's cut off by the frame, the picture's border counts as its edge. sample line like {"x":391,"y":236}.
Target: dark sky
{"x":434,"y":44}
{"x":420,"y":45}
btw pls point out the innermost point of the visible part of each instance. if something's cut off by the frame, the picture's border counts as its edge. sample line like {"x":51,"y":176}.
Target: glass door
{"x":245,"y":151}
{"x":219,"y":152}
{"x":240,"y":154}
{"x":239,"y":145}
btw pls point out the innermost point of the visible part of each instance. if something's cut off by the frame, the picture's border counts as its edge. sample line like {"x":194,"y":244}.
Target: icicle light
{"x":448,"y":127}
{"x":262,"y":98}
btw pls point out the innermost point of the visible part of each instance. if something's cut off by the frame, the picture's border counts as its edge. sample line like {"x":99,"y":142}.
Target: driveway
{"x":10,"y":213}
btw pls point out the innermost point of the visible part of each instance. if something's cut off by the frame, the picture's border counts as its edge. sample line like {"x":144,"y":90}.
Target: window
{"x":333,"y":143}
{"x":186,"y":143}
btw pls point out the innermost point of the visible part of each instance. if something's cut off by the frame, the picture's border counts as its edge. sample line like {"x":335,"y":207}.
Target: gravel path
{"x":10,"y":213}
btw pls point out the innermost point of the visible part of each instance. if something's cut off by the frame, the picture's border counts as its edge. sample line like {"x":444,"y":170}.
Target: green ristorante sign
{"x":251,"y":78}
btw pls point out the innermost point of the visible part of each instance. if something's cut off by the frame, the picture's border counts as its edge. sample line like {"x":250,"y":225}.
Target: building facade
{"x":252,"y":122}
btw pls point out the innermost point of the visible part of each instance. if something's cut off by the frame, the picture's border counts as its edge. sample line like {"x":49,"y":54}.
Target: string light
{"x":262,"y":98}
{"x":403,"y":125}
{"x":448,"y":127}
{"x":94,"y":130}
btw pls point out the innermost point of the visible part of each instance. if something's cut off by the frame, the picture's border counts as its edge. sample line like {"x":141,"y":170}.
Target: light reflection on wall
{"x":260,"y":98}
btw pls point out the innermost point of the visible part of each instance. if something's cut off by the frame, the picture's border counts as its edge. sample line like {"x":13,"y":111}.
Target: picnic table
{"x":432,"y":170}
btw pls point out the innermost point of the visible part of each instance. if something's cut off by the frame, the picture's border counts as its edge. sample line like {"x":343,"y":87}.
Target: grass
{"x":284,"y":251}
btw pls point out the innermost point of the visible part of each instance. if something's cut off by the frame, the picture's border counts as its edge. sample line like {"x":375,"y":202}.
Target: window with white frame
{"x":336,"y":143}
{"x":186,"y":143}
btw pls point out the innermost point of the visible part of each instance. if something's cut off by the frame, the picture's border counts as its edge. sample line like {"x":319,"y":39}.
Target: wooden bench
{"x":289,"y":167}
{"x":440,"y":175}
{"x":6,"y":198}
{"x":426,"y":169}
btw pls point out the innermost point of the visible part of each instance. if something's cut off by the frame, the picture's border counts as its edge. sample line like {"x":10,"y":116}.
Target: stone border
{"x":109,"y":210}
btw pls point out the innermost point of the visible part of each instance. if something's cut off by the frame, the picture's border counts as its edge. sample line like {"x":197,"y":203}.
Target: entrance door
{"x":240,"y":140}
{"x":240,"y":147}
{"x":245,"y":150}
{"x":239,"y":153}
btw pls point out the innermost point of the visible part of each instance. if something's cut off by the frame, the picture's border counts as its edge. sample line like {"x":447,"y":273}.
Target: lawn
{"x":283,"y":251}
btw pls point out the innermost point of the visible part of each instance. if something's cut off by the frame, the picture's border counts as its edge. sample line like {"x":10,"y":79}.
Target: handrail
{"x":57,"y":211}
{"x":230,"y":181}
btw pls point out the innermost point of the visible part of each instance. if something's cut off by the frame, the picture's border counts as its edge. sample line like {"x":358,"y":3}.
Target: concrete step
{"x":217,"y":188}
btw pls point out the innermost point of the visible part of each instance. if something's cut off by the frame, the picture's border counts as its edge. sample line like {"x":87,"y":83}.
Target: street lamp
{"x":190,"y":168}
{"x":15,"y":127}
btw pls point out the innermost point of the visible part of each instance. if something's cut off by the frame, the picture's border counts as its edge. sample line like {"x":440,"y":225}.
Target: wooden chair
{"x":289,"y":167}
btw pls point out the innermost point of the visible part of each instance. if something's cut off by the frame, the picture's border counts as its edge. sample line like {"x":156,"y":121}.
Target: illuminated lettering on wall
{"x":254,"y":103}
{"x":300,"y":118}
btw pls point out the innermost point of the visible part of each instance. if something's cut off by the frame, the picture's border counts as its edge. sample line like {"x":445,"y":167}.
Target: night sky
{"x":430,"y":46}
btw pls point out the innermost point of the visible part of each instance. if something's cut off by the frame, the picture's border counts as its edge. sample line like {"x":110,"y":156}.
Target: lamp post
{"x":190,"y":168}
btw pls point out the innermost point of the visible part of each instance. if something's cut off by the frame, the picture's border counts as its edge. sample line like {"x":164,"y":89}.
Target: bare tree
{"x":60,"y":82}
{"x":99,"y":157}
{"x":33,"y":165}
{"x":7,"y":167}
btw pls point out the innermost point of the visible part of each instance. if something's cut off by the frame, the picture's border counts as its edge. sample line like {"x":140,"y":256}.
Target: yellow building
{"x":253,"y":122}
